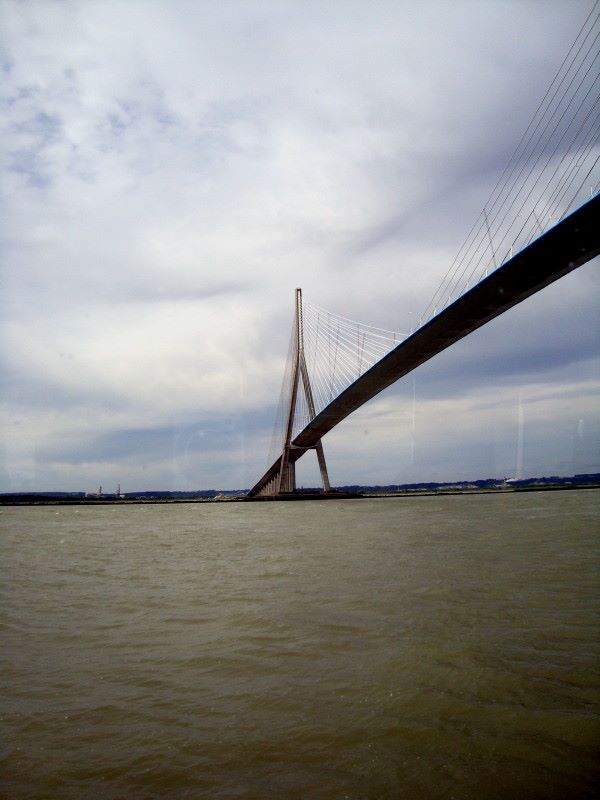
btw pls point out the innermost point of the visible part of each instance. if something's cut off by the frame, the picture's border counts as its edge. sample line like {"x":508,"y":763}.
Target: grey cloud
{"x":170,"y":441}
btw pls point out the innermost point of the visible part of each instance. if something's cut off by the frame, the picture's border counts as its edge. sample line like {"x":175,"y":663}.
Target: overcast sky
{"x":171,"y":171}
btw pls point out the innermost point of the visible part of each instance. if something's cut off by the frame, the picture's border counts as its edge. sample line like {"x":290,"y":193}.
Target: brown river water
{"x":432,"y":647}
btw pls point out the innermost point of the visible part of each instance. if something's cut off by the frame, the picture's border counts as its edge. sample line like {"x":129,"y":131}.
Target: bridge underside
{"x":570,"y":244}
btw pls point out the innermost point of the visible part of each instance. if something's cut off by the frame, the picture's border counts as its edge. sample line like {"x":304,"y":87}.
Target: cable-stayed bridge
{"x":541,"y":221}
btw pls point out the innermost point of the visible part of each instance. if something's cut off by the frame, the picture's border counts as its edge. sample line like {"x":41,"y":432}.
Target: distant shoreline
{"x":13,"y":500}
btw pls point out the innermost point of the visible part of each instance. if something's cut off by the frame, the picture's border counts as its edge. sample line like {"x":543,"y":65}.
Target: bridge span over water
{"x":535,"y":227}
{"x":568,"y":245}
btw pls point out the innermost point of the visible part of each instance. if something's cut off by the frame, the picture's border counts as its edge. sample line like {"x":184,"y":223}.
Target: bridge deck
{"x":568,"y":245}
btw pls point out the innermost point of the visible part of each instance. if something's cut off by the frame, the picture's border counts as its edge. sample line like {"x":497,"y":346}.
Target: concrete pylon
{"x":287,"y":470}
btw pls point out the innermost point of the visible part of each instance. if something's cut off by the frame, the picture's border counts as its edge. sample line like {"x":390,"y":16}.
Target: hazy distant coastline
{"x":486,"y":485}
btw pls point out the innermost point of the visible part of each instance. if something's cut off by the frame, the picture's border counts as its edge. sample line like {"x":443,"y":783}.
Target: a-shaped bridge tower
{"x":284,"y":480}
